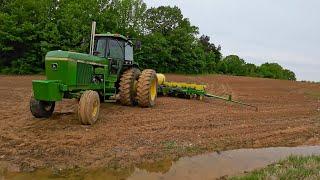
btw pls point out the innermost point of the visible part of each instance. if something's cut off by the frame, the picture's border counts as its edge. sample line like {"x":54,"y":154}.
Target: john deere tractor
{"x":106,"y":74}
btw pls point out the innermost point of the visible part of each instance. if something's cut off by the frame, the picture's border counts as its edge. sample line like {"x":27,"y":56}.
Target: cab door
{"x":115,"y":53}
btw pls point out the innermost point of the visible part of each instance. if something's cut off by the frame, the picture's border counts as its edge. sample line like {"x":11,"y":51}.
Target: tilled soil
{"x":288,"y":116}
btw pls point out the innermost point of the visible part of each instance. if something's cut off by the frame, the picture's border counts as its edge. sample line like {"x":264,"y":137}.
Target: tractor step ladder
{"x":110,"y":88}
{"x":108,"y":95}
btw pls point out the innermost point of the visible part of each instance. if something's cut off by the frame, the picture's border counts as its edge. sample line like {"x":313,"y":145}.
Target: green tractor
{"x":109,"y":73}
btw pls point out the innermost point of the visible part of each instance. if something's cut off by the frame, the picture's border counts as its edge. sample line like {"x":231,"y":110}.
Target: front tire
{"x":41,"y":109}
{"x":89,"y":107}
{"x":147,"y":88}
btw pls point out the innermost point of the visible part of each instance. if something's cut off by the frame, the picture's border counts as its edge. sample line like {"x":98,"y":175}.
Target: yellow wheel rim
{"x":153,"y":90}
{"x":95,"y":109}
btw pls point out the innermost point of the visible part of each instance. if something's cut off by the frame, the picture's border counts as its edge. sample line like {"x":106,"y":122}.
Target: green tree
{"x":275,"y":71}
{"x":21,"y":25}
{"x":235,"y":65}
{"x":155,"y":53}
{"x":270,"y":70}
{"x":128,"y":16}
{"x":73,"y":19}
{"x":163,"y":19}
{"x":251,"y":69}
{"x":170,"y":40}
{"x":212,"y":53}
{"x":170,"y":43}
{"x":289,"y":75}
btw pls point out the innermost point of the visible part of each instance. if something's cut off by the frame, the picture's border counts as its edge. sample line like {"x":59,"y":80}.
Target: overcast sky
{"x":282,"y":31}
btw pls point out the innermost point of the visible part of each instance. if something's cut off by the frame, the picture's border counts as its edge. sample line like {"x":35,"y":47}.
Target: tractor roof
{"x":113,"y":35}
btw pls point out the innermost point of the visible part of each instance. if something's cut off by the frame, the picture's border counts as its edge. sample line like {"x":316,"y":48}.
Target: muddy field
{"x":289,"y":115}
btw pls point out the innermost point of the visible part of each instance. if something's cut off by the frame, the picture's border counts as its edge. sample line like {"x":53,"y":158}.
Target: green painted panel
{"x":72,"y":71}
{"x":84,"y":74}
{"x":99,"y":70}
{"x":47,"y":90}
{"x":60,"y":70}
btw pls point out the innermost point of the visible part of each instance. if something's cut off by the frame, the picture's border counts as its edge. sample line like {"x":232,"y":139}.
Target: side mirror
{"x":138,"y":44}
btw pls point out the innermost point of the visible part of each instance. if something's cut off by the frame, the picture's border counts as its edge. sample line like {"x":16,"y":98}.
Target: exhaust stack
{"x":93,"y":32}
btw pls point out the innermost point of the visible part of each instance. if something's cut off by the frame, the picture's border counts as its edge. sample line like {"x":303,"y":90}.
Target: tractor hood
{"x":71,"y":68}
{"x":68,"y":55}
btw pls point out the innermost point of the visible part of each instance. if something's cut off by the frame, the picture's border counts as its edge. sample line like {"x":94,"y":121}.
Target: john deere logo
{"x":54,"y":66}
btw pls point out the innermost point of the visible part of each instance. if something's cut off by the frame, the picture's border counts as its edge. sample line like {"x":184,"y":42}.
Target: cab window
{"x":116,"y":49}
{"x":129,"y":52}
{"x":100,"y":47}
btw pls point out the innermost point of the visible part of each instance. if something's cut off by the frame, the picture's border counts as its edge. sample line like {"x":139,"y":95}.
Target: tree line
{"x":170,"y":43}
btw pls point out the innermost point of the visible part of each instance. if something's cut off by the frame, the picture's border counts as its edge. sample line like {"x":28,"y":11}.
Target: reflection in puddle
{"x":214,"y":165}
{"x":208,"y":166}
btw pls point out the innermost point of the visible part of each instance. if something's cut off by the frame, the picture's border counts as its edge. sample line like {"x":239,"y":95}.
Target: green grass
{"x":292,"y":168}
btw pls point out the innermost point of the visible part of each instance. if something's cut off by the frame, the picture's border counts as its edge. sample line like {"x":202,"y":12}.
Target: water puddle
{"x":207,"y":166}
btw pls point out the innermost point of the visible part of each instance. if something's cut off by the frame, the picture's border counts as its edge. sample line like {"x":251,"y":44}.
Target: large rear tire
{"x":41,"y":109}
{"x":147,"y":88}
{"x":127,"y":89}
{"x":89,"y":107}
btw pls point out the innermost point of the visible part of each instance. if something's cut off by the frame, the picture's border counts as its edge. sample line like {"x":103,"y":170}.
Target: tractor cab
{"x":117,"y":48}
